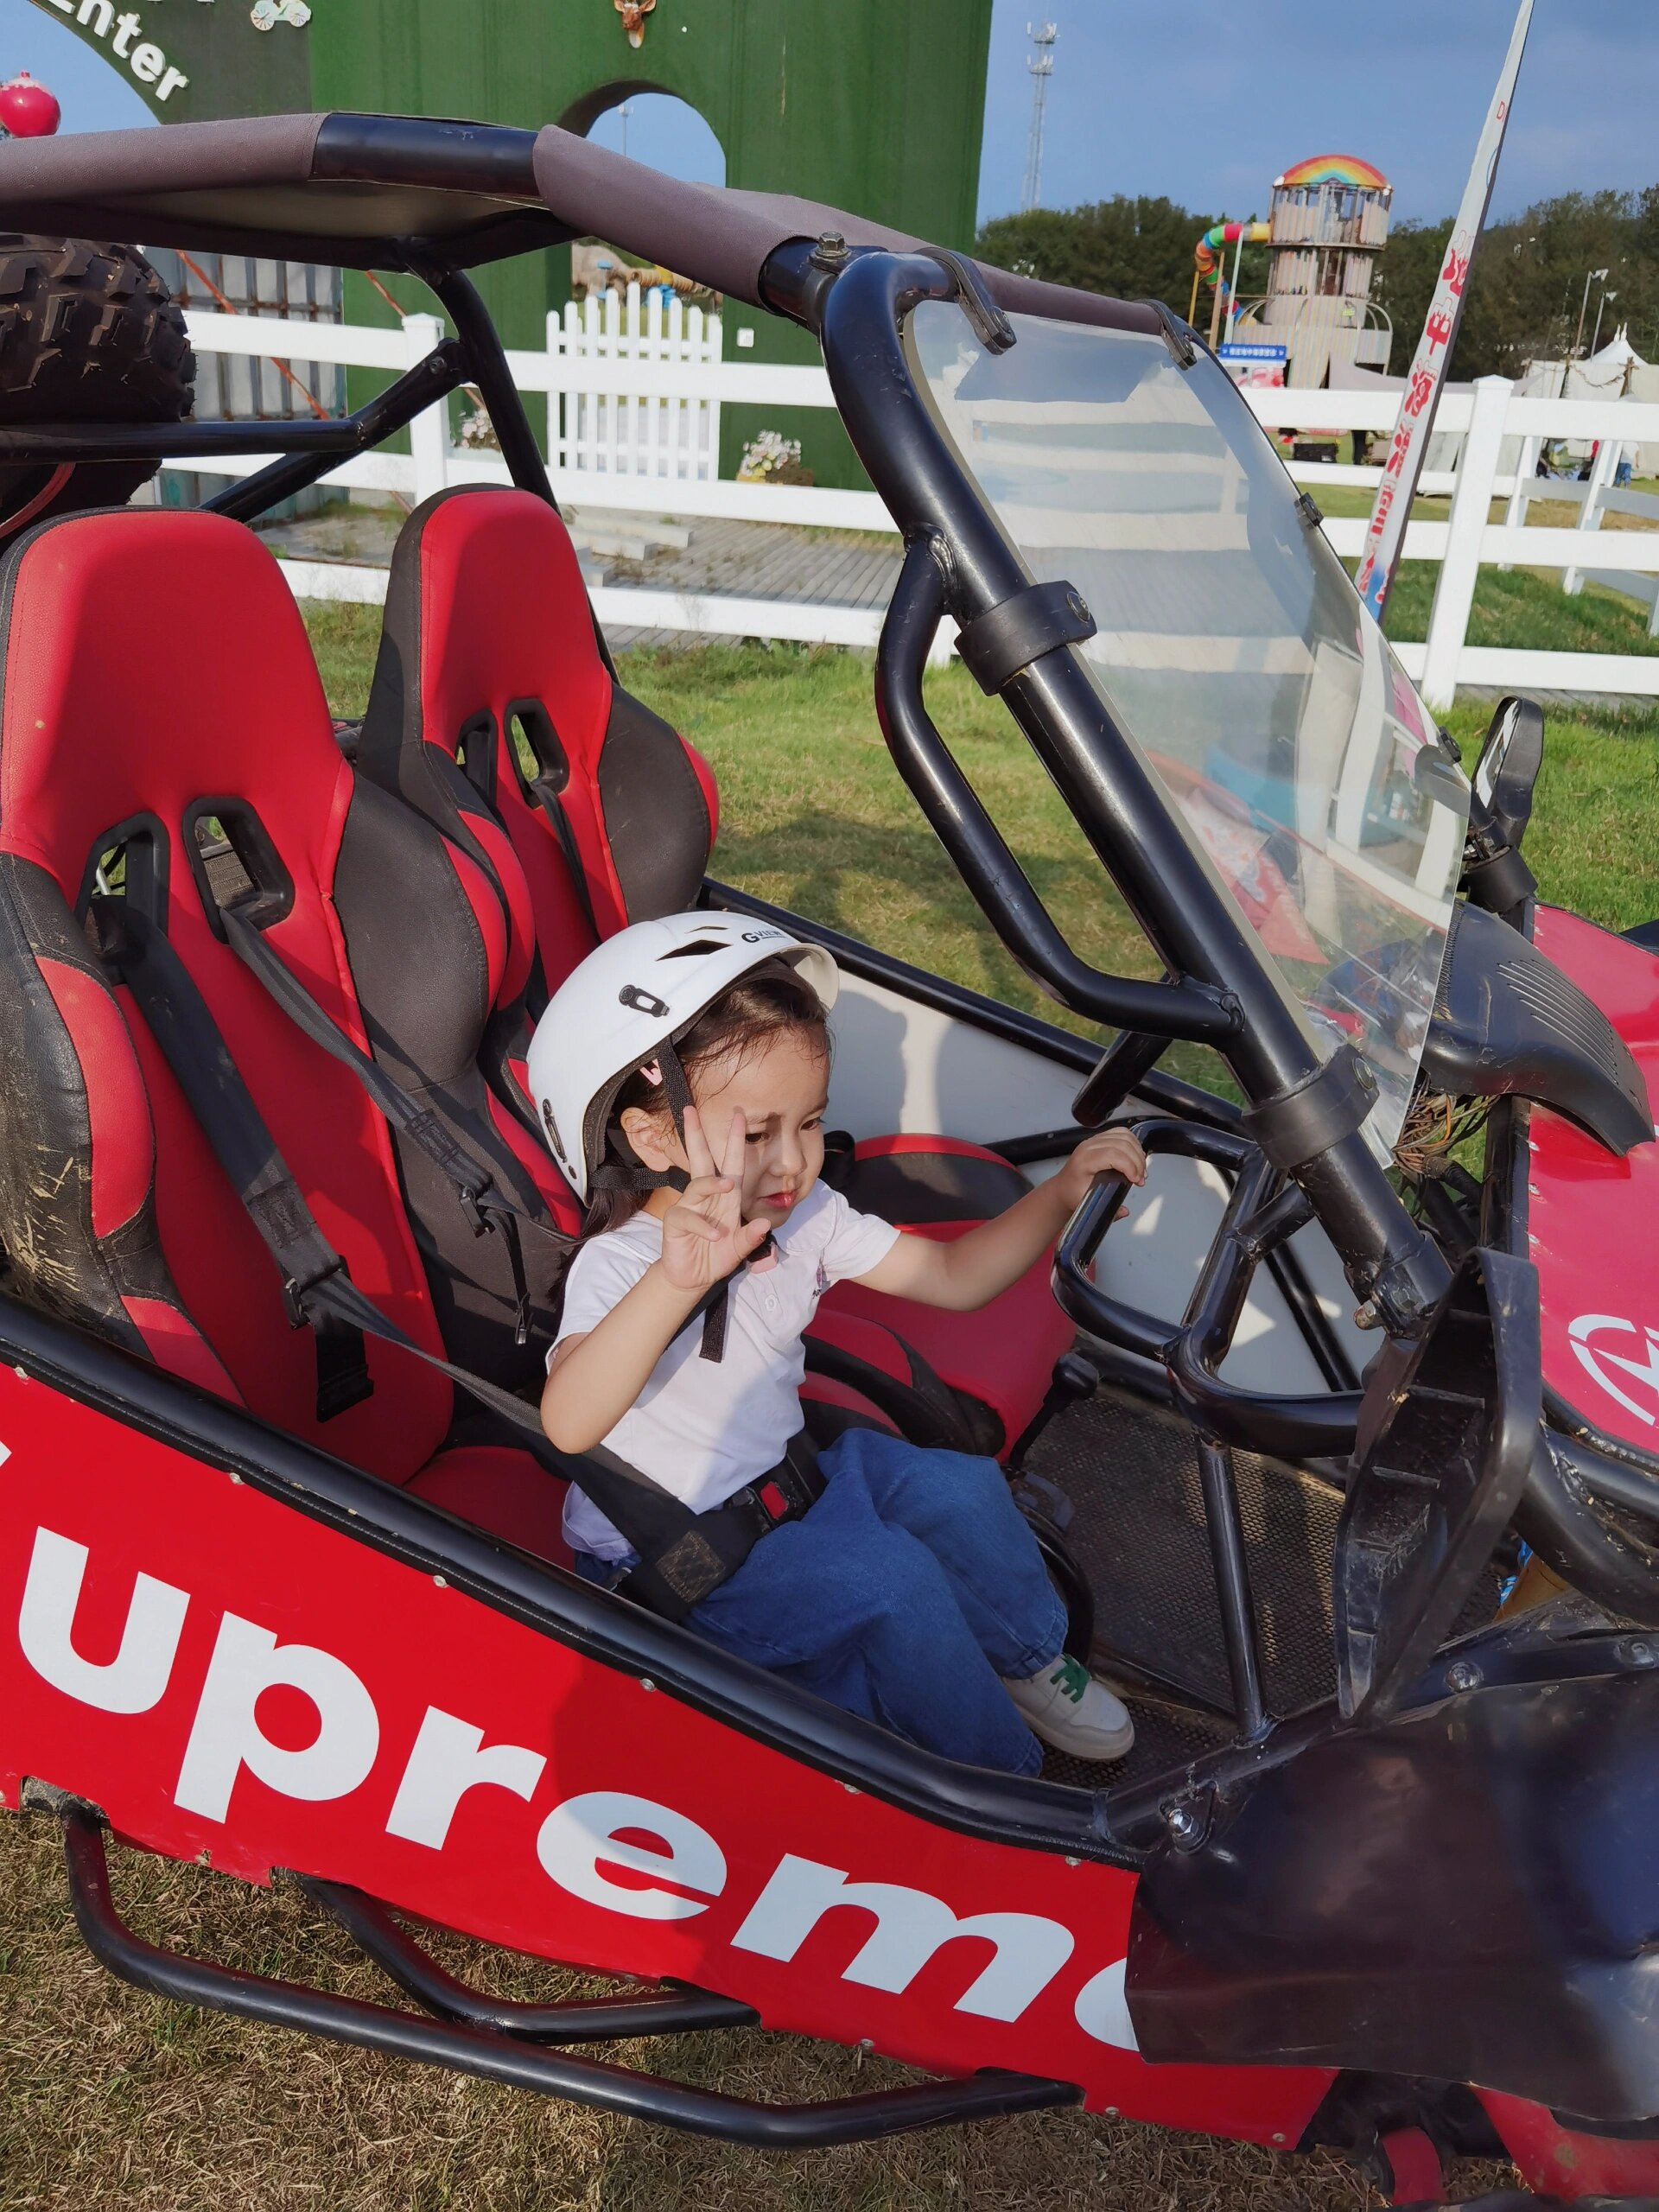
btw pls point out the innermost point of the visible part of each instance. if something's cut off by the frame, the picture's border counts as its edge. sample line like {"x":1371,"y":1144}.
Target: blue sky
{"x":1201,"y":99}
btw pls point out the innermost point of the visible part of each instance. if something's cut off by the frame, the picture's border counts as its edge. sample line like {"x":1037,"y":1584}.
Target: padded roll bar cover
{"x":724,"y":237}
{"x":1507,"y":1020}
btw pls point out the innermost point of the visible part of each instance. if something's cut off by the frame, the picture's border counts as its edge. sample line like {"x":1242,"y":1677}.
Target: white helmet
{"x":639,"y":992}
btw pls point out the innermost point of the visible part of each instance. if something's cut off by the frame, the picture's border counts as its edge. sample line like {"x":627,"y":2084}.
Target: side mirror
{"x":1508,"y":767}
{"x":1500,"y":807}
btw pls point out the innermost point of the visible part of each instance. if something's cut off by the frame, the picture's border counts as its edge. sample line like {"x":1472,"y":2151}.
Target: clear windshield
{"x":1232,"y":649}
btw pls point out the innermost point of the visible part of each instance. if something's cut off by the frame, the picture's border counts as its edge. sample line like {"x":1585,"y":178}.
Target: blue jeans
{"x":905,"y":1593}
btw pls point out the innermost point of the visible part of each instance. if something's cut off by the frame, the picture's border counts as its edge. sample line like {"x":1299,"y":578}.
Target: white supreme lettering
{"x":910,"y":1926}
{"x":449,"y":1759}
{"x":225,"y":1737}
{"x":136,"y":1680}
{"x":577,"y":1834}
{"x":1102,"y":2008}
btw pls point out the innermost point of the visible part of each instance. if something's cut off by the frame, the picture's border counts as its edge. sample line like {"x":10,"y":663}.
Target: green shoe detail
{"x":1070,"y":1678}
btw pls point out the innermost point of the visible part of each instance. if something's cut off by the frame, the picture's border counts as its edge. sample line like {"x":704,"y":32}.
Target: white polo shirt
{"x":702,"y":1427}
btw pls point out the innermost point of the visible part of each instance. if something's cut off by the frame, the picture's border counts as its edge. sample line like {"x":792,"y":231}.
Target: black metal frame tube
{"x":1106,"y":783}
{"x":1233,"y":1598}
{"x":997,"y":881}
{"x":429,"y":379}
{"x":490,"y":2057}
{"x":442,"y":372}
{"x":372,"y":1928}
{"x":1124,"y":1065}
{"x":500,"y":395}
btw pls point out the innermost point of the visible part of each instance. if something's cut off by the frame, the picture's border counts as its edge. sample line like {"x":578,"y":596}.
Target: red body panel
{"x":363,"y":1657}
{"x":1593,"y":1220}
{"x":1556,"y":2161}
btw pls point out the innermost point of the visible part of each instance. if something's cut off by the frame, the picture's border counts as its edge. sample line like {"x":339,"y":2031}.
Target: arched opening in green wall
{"x":651,"y":124}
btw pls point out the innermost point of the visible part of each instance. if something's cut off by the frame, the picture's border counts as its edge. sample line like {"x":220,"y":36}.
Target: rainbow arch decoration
{"x":1333,"y":169}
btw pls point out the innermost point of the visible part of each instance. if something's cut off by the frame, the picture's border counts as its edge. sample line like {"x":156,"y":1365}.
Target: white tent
{"x":1618,"y":371}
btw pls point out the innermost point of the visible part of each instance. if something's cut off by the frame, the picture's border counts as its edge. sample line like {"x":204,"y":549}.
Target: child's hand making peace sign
{"x":705,"y":1237}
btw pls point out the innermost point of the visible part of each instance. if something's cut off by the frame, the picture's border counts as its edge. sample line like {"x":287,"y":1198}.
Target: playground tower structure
{"x":1328,"y":223}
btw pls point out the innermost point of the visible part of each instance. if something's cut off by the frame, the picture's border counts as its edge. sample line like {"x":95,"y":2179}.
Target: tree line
{"x":1523,"y":298}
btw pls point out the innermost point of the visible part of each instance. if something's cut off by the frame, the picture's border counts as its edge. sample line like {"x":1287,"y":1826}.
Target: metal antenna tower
{"x":1042,"y":66}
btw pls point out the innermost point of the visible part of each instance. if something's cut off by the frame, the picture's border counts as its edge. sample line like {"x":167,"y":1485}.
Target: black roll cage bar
{"x":959,"y":561}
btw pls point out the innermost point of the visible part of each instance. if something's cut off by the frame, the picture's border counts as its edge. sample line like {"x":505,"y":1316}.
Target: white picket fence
{"x":604,"y":399}
{"x":621,"y":433}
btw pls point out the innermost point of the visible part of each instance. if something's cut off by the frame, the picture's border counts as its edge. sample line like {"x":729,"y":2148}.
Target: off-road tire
{"x":88,"y":333}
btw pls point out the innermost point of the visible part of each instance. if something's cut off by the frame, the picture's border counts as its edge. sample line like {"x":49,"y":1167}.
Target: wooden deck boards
{"x":749,"y":560}
{"x":729,"y":560}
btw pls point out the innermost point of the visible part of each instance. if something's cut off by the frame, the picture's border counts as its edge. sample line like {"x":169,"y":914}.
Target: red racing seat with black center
{"x":113,"y":1208}
{"x":489,"y":658}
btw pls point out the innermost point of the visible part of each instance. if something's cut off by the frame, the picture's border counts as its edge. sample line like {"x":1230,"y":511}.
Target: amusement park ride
{"x":1329,"y":221}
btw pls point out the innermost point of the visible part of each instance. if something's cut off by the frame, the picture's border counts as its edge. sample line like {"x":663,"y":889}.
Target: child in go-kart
{"x":681,"y":1073}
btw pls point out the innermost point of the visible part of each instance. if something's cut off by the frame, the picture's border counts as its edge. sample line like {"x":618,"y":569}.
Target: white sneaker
{"x":1071,"y":1712}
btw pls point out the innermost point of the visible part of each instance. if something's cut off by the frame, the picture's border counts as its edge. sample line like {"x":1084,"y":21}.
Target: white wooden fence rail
{"x":660,"y":458}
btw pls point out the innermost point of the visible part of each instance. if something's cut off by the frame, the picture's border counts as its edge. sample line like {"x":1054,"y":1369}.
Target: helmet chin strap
{"x":630,"y":1172}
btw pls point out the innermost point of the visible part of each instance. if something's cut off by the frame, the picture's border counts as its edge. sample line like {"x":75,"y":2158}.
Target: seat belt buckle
{"x":773,"y":1500}
{"x":295,"y":1291}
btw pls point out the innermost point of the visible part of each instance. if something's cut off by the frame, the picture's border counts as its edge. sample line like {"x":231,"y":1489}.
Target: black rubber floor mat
{"x":1165,"y":1738}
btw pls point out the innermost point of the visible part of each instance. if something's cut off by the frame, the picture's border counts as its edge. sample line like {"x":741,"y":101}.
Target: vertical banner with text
{"x":1386,"y":531}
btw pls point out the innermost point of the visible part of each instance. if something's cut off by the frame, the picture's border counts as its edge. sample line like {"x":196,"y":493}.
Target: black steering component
{"x":1262,"y":1211}
{"x":1507,"y":1020}
{"x":1448,"y":1431}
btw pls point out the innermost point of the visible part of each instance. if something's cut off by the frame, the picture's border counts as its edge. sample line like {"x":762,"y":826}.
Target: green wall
{"x":873,"y":105}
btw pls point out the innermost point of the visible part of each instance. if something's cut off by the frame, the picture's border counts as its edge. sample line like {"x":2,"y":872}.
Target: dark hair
{"x":761,"y":1006}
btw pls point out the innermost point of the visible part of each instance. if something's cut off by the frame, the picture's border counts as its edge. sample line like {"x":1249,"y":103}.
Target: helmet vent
{"x":689,"y":951}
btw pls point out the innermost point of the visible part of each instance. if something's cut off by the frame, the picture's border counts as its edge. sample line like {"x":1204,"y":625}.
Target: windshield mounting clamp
{"x":1009,"y":637}
{"x":1314,"y":1114}
{"x":1178,"y":336}
{"x":991,"y":326}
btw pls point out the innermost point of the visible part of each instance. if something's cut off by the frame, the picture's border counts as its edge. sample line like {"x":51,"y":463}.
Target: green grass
{"x":1525,"y":608}
{"x":1517,"y":607}
{"x":814,"y":817}
{"x":108,"y":2097}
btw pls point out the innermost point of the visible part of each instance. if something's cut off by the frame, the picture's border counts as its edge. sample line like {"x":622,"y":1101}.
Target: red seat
{"x":489,"y":659}
{"x":180,"y":797}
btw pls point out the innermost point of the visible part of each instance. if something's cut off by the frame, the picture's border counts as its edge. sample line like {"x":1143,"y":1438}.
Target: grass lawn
{"x":110,"y":2098}
{"x":817,"y":819}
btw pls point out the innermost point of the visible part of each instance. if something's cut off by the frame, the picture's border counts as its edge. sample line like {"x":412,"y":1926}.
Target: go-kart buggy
{"x":282,"y":1585}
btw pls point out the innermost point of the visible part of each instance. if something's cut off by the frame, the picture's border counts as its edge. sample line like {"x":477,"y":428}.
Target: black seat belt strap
{"x":190,"y":1042}
{"x":484,"y":1205}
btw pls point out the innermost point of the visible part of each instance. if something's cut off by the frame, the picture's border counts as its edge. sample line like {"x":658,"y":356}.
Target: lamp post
{"x":1600,"y":304}
{"x":1592,"y":276}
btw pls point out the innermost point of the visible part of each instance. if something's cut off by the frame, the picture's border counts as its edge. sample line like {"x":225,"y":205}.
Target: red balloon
{"x":28,"y":109}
